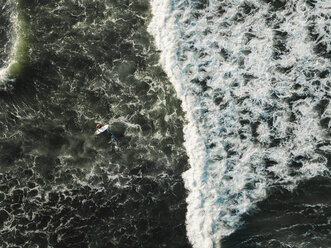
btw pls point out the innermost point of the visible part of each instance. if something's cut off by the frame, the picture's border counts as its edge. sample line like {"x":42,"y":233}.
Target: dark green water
{"x":79,"y":63}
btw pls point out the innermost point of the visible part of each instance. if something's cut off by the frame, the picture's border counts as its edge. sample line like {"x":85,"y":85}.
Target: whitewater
{"x":8,"y":49}
{"x":253,"y":80}
{"x":14,"y":36}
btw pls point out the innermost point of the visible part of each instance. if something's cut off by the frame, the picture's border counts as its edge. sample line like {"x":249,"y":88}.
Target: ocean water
{"x":65,"y":66}
{"x":221,"y":111}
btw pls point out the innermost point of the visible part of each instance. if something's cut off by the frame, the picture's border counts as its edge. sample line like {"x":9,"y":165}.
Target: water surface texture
{"x":221,"y":110}
{"x":64,"y":66}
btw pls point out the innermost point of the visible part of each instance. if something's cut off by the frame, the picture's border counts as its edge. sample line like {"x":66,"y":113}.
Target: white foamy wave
{"x":11,"y":45}
{"x":251,"y":77}
{"x":3,"y":74}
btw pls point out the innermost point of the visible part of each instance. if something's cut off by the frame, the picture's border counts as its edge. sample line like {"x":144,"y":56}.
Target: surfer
{"x":103,"y":130}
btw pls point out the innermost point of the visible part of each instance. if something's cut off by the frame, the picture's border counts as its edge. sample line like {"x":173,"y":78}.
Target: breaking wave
{"x":253,"y":80}
{"x":14,"y":40}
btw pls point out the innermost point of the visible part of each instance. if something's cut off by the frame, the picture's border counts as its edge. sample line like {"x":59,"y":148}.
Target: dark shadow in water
{"x":288,"y":219}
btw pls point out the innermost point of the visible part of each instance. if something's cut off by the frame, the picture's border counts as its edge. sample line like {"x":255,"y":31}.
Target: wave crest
{"x":14,"y":52}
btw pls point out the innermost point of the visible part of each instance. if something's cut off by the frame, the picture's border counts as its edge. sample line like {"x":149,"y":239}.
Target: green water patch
{"x":19,"y":58}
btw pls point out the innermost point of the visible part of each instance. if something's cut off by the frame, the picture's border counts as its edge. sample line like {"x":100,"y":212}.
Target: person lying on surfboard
{"x":103,"y":130}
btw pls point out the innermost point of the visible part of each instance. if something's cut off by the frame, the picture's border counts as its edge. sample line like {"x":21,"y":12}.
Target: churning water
{"x":241,"y":87}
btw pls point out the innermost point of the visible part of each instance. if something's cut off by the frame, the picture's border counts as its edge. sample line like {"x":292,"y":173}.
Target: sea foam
{"x":14,"y":48}
{"x":253,"y":80}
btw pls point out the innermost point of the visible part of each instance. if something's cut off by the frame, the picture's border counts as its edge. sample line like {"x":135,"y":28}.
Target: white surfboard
{"x":101,"y":130}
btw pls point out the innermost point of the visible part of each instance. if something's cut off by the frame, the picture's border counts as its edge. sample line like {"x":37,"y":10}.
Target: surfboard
{"x":101,"y":130}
